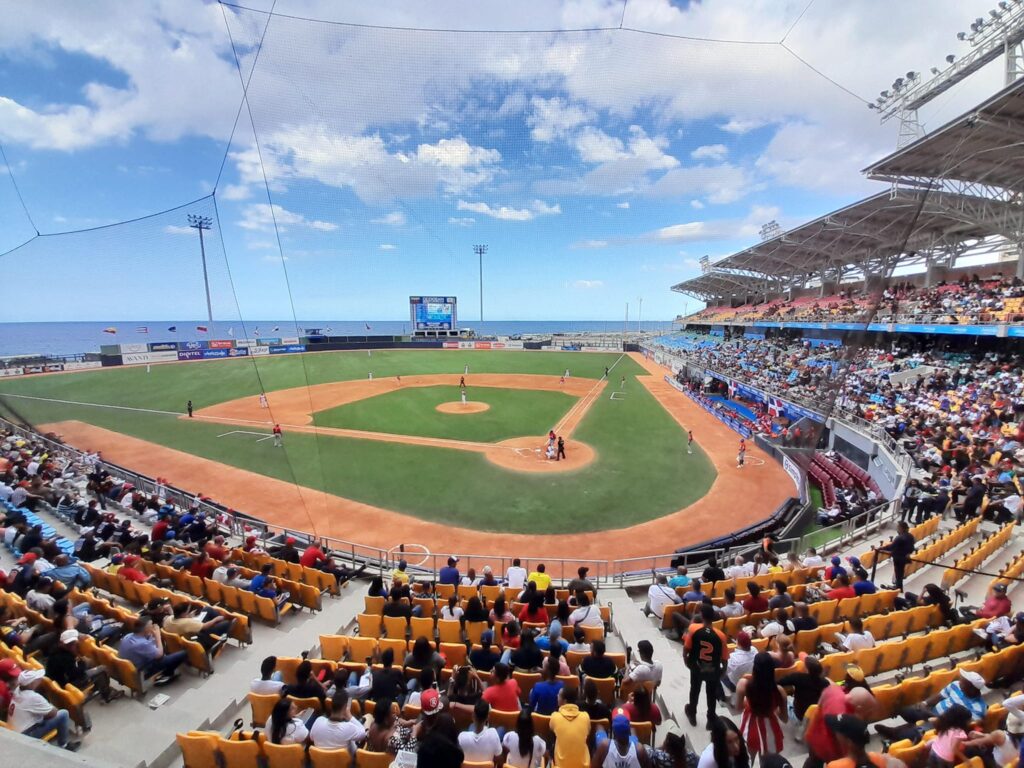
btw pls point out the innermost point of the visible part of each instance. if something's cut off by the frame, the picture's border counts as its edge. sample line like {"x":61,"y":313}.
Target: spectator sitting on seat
{"x":835,"y":569}
{"x":579,"y":642}
{"x":581,"y":583}
{"x":645,"y":669}
{"x":802,"y":619}
{"x":731,"y":609}
{"x":777,"y":624}
{"x":398,"y":608}
{"x":738,"y":569}
{"x":69,"y":574}
{"x":31,"y":714}
{"x":488,"y":579}
{"x":681,"y":579}
{"x":534,"y":611}
{"x":203,"y":623}
{"x":693,"y":594}
{"x":966,"y":691}
{"x":423,"y":656}
{"x":540,"y":578}
{"x":450,"y":573}
{"x":499,"y":611}
{"x":812,"y":559}
{"x":284,"y":725}
{"x":755,"y":602}
{"x":230,"y":576}
{"x":740,"y":663}
{"x":40,"y":597}
{"x":483,"y":658}
{"x":544,"y":694}
{"x":65,"y":666}
{"x":265,"y":585}
{"x":527,"y":657}
{"x":145,"y":649}
{"x":201,"y":566}
{"x":553,"y":638}
{"x":571,"y":729}
{"x":995,"y":605}
{"x":503,"y":693}
{"x":659,"y":595}
{"x":858,"y":638}
{"x":9,"y":672}
{"x":475,"y":611}
{"x":862,"y":584}
{"x":216,"y":548}
{"x":586,"y":615}
{"x":287,"y":551}
{"x":781,"y":598}
{"x":523,"y":748}
{"x":480,"y":743}
{"x":338,"y":730}
{"x":269,"y":681}
{"x":597,"y":664}
{"x":387,"y":683}
{"x":470,"y":579}
{"x":452,"y":611}
{"x":839,"y":590}
{"x":306,"y":685}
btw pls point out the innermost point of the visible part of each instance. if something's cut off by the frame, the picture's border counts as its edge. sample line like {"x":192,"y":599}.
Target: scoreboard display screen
{"x":433,"y":313}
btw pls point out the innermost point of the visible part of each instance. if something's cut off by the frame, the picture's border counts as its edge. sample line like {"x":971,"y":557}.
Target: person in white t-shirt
{"x":739,"y":569}
{"x":858,"y":639}
{"x":515,"y":576}
{"x":269,"y":682}
{"x":452,"y":611}
{"x":645,"y":669}
{"x":524,"y":740}
{"x":586,"y":615}
{"x":284,"y":725}
{"x":660,"y":594}
{"x":481,"y":743}
{"x":31,"y":714}
{"x":339,"y":730}
{"x":812,"y":559}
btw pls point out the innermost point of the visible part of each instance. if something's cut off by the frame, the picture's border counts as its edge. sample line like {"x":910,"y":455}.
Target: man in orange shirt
{"x":706,"y":651}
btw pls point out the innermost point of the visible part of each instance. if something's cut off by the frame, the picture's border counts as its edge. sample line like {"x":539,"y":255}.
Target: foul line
{"x":588,"y":399}
{"x":261,"y":435}
{"x":93,"y":405}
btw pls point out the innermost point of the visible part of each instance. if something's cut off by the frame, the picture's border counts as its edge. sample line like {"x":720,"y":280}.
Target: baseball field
{"x":402,"y":447}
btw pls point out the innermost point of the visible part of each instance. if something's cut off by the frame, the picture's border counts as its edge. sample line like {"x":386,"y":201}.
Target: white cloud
{"x":740,"y":127}
{"x":461,"y":221}
{"x":507,"y":213}
{"x":388,"y":247}
{"x":275,"y":258}
{"x":179,"y":229}
{"x":834,"y":166}
{"x":554,"y":118}
{"x":723,"y":183}
{"x":624,"y":204}
{"x":591,"y":244}
{"x":588,"y":284}
{"x":710,"y":152}
{"x":261,"y":217}
{"x":259,"y":245}
{"x":696,"y":204}
{"x":364,"y":164}
{"x":393,"y":219}
{"x":236,"y":192}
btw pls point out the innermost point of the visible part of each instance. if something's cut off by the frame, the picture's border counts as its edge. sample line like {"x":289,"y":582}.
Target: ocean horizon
{"x":81,"y":337}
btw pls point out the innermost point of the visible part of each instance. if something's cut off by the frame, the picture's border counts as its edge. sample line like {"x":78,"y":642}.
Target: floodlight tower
{"x":1002,"y":34}
{"x":199,"y":223}
{"x":480,"y":250}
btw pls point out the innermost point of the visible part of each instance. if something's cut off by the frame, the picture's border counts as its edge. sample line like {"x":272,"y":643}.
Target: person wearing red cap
{"x":287,"y":552}
{"x":9,"y":672}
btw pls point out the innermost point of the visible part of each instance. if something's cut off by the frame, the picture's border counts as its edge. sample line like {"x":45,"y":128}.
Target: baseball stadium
{"x":606,"y":383}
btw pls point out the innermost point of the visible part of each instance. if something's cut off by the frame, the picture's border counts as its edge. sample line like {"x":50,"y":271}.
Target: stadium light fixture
{"x":961,"y":36}
{"x":480,"y":250}
{"x":199,"y":223}
{"x":994,"y":14}
{"x":935,"y":70}
{"x":950,"y":58}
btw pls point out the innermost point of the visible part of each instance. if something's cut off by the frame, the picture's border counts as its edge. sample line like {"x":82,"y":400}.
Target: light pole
{"x":200,"y":223}
{"x":480,"y":250}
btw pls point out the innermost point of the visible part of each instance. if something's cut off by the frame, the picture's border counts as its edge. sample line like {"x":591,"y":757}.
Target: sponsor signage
{"x":213,"y":354}
{"x":497,"y":345}
{"x":243,"y":352}
{"x":149,"y":357}
{"x":11,"y":371}
{"x":127,"y":349}
{"x":450,"y":345}
{"x":287,"y":349}
{"x":259,"y":350}
{"x":269,"y":342}
{"x":190,"y":345}
{"x":83,"y":365}
{"x":481,"y":345}
{"x":293,"y":340}
{"x":54,"y":367}
{"x":33,"y":369}
{"x":190,"y":354}
{"x":513,"y":345}
{"x":221,"y":343}
{"x":794,"y":472}
{"x":163,"y":346}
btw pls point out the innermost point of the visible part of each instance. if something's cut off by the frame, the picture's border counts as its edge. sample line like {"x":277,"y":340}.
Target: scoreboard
{"x":433,"y":313}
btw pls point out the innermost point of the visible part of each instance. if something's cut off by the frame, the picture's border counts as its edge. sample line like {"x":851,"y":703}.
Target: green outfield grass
{"x":413,"y":411}
{"x":641,"y":472}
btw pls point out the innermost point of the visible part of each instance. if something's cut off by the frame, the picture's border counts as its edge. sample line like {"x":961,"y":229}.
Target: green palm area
{"x":413,"y":411}
{"x":641,"y":472}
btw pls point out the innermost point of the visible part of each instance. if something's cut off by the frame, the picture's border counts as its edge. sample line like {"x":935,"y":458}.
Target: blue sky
{"x":598,"y":167}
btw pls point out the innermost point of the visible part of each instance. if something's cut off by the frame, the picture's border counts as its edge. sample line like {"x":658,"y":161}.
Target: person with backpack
{"x":706,"y":651}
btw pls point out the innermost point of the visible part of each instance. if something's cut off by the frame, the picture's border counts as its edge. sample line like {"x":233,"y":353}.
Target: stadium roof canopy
{"x":984,"y":146}
{"x":872,"y":236}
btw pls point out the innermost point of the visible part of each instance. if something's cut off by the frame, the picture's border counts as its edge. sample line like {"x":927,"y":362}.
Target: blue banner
{"x":238,"y":352}
{"x":163,"y":346}
{"x":1015,"y":330}
{"x":191,"y":354}
{"x":287,"y":349}
{"x":193,"y":345}
{"x":753,"y":335}
{"x":269,"y":342}
{"x":210,"y":354}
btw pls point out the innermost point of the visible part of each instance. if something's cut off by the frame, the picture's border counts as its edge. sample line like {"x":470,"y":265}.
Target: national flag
{"x":275,"y":329}
{"x":327,"y":331}
{"x":202,"y":328}
{"x":142,"y":329}
{"x":231,"y":331}
{"x":110,"y":330}
{"x":367,"y":326}
{"x":732,"y":389}
{"x":256,"y":332}
{"x":774,"y":407}
{"x":173,"y":329}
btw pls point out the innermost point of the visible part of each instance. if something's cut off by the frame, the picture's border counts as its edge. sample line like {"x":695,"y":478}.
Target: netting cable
{"x":17,"y":189}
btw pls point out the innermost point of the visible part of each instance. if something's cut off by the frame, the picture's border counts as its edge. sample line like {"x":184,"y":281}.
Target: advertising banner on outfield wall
{"x":83,"y":365}
{"x":189,"y":345}
{"x":163,"y":346}
{"x":481,"y":345}
{"x":129,"y":349}
{"x":513,"y":345}
{"x":284,"y":350}
{"x":293,"y":340}
{"x":798,"y":476}
{"x":148,"y":357}
{"x":269,"y":342}
{"x":11,"y":372}
{"x":451,"y":345}
{"x":258,"y":350}
{"x":221,"y":343}
{"x":190,"y":354}
{"x":213,"y":354}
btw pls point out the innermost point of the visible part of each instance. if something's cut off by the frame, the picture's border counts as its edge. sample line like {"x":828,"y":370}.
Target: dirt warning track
{"x":736,"y":499}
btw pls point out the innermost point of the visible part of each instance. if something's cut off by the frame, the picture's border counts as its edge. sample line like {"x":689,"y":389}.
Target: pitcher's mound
{"x":460,"y":407}
{"x":528,"y":454}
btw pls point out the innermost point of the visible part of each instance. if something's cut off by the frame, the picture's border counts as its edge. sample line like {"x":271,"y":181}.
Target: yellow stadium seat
{"x":329,"y":758}
{"x":198,"y":749}
{"x":449,"y":631}
{"x":333,"y":646}
{"x":240,"y":754}
{"x":503,"y":719}
{"x":285,"y":755}
{"x":369,"y":624}
{"x":394,"y":627}
{"x":262,"y":705}
{"x":365,"y":759}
